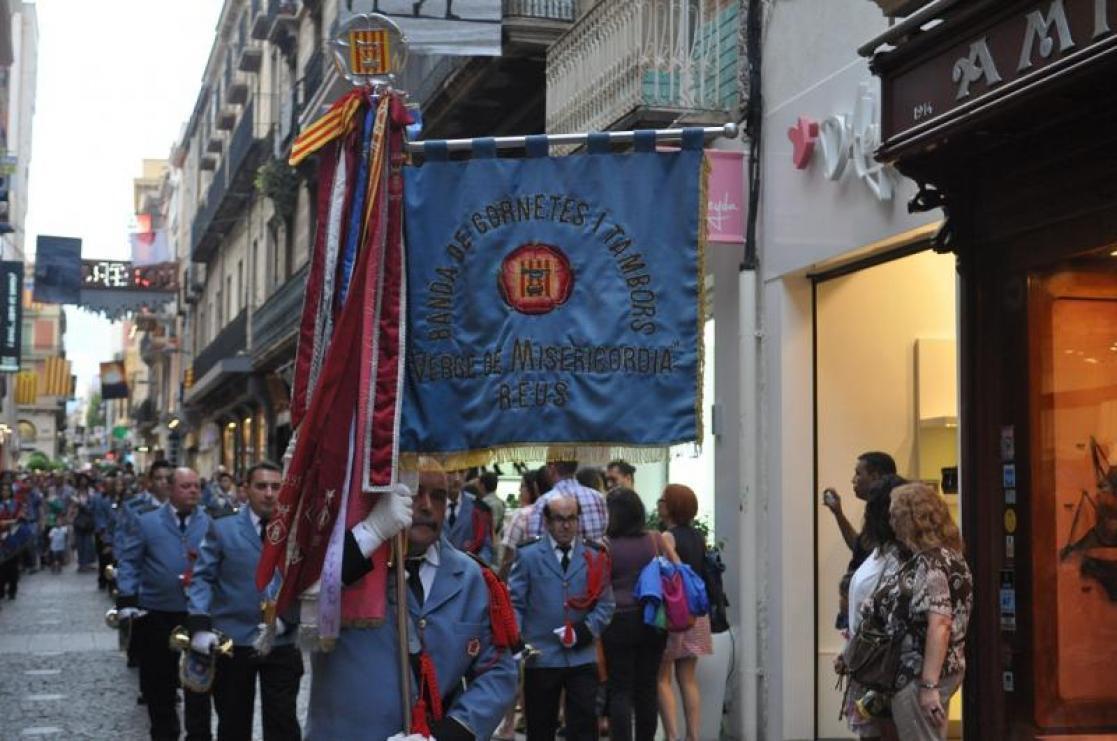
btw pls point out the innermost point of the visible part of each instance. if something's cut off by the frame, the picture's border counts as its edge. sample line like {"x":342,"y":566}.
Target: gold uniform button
{"x":422,"y":623}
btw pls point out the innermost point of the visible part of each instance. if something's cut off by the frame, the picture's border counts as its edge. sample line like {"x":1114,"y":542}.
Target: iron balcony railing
{"x":207,"y":209}
{"x":230,"y":341}
{"x":554,"y":10}
{"x":624,"y":55}
{"x":230,"y":182}
{"x":278,"y":318}
{"x":243,"y":137}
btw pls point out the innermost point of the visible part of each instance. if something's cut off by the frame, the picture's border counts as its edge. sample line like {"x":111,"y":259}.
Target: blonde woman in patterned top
{"x":928,"y":601}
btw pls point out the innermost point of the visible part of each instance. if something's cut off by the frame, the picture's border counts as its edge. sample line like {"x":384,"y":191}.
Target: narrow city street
{"x":61,"y":674}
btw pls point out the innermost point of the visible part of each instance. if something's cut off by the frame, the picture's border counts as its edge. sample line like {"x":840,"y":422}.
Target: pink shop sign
{"x":725,"y":197}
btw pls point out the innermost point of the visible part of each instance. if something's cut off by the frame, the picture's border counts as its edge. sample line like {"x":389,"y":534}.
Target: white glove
{"x":391,"y":514}
{"x":561,"y":633}
{"x":130,"y":613}
{"x":408,"y":737}
{"x":280,"y":626}
{"x":203,"y":642}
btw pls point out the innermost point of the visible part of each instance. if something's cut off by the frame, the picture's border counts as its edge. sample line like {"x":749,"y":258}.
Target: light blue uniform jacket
{"x":102,"y":512}
{"x":355,"y":689}
{"x":126,"y":514}
{"x":224,"y":583}
{"x":155,"y":556}
{"x":462,"y":530}
{"x":539,"y":588}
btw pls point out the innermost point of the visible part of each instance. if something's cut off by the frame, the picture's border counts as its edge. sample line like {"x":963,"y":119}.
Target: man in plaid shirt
{"x":592,"y":515}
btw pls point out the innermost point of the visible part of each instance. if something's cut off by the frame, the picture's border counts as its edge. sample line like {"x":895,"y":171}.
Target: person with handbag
{"x":677,"y":508}
{"x":877,"y":534}
{"x":633,"y":649}
{"x":911,"y":641}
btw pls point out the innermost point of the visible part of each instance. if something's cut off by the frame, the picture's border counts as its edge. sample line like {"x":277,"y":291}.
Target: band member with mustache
{"x":223,"y":595}
{"x":354,"y":691}
{"x":155,"y":568}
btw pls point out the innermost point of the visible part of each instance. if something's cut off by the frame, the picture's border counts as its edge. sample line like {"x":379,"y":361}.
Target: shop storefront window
{"x":886,"y":380}
{"x":1074,"y":320}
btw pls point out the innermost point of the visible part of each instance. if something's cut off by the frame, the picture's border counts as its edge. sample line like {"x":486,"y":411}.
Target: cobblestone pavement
{"x":61,"y":675}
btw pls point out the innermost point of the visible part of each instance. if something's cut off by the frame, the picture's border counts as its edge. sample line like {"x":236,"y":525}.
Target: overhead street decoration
{"x":115,"y":288}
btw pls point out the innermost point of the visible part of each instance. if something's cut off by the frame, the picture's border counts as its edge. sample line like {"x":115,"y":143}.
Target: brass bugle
{"x":180,"y":641}
{"x":112,"y":618}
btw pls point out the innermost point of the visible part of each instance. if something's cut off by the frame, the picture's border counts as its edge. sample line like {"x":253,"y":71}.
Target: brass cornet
{"x":123,"y":628}
{"x":180,"y":641}
{"x":197,"y":671}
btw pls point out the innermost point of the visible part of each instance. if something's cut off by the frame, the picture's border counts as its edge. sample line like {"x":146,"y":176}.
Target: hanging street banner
{"x":114,"y":382}
{"x":57,"y":270}
{"x":450,"y":27}
{"x":11,"y":315}
{"x":554,"y":301}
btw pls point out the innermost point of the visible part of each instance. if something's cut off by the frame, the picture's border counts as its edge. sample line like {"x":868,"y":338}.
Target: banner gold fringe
{"x":589,"y":453}
{"x":703,"y":234}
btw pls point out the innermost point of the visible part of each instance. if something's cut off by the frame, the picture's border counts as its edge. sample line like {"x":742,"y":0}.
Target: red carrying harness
{"x":482,"y":523}
{"x":428,"y":706}
{"x":598,"y":572}
{"x":506,"y":634}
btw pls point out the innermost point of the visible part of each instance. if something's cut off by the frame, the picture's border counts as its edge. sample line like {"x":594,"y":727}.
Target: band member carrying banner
{"x":461,"y":627}
{"x":506,"y":378}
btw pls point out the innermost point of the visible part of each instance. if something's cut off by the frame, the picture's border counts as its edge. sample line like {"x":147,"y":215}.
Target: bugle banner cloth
{"x":345,"y":401}
{"x":554,"y":303}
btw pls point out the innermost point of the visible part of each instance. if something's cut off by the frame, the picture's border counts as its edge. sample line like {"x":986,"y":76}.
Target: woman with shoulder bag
{"x":877,"y":537}
{"x":633,"y":649}
{"x":677,"y":509}
{"x":925,"y":606}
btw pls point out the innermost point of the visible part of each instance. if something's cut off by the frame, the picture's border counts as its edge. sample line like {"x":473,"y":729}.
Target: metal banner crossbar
{"x":662,"y":136}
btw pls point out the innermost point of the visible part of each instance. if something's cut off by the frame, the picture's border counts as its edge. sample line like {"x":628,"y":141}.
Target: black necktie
{"x":453,"y":513}
{"x":565,"y":556}
{"x":413,"y":565}
{"x":263,"y":529}
{"x":182,"y":521}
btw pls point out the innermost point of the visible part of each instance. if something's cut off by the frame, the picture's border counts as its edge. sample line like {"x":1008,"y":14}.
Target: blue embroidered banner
{"x":553,"y":300}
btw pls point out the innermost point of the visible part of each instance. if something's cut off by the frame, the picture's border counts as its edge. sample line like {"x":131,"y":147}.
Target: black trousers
{"x":159,"y":680}
{"x":633,"y":651}
{"x":542,"y":688}
{"x":234,"y":693}
{"x":104,"y":558}
{"x":9,"y":577}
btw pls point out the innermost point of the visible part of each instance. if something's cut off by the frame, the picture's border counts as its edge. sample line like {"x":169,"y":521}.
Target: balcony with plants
{"x":645,"y":63}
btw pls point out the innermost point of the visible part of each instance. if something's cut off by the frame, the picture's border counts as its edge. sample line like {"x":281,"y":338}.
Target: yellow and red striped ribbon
{"x":338,"y":121}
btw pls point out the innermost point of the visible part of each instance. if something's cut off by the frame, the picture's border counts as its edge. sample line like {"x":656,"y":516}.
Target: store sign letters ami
{"x":552,"y":301}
